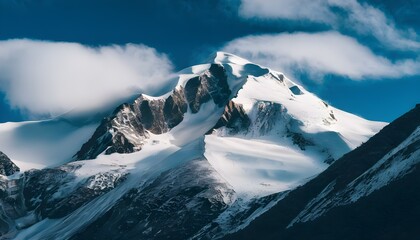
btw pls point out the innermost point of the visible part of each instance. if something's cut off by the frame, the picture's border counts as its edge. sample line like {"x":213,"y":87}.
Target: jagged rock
{"x":210,"y":85}
{"x":268,"y":114}
{"x":126,"y":130}
{"x":234,"y":118}
{"x":174,"y":108}
{"x":7,"y":167}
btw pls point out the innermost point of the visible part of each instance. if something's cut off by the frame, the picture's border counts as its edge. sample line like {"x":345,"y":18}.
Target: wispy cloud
{"x":320,"y":53}
{"x":50,"y":78}
{"x":341,"y":15}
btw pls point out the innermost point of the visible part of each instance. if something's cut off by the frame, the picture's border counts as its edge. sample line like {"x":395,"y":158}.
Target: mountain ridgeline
{"x":228,"y":144}
{"x":129,"y":126}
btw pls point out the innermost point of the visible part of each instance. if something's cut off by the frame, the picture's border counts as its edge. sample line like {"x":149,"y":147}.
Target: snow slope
{"x":293,"y":134}
{"x":257,"y":168}
{"x":40,"y":144}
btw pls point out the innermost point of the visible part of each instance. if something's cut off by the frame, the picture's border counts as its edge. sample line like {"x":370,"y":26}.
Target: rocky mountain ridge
{"x":228,"y":142}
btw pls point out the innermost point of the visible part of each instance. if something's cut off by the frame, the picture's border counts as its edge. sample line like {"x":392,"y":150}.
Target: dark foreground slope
{"x":370,"y":193}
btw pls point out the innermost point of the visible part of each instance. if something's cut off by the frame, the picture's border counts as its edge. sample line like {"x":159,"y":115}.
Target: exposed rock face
{"x":210,"y":85}
{"x":126,"y":130}
{"x":234,"y":118}
{"x":7,"y":167}
{"x":129,"y":126}
{"x":12,"y":204}
{"x":175,"y":205}
{"x":268,"y":114}
{"x":122,"y":132}
{"x":174,"y":108}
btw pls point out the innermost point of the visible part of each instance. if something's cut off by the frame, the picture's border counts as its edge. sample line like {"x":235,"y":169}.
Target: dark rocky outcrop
{"x":268,"y":114}
{"x":112,"y":134}
{"x":234,"y":118}
{"x":7,"y":167}
{"x":174,"y":108}
{"x":210,"y":85}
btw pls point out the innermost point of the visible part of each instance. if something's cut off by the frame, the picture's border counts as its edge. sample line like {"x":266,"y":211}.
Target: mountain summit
{"x":205,"y":159}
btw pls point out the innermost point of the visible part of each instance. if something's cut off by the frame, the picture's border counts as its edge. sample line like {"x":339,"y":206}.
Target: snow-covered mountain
{"x":224,"y":146}
{"x":370,"y":193}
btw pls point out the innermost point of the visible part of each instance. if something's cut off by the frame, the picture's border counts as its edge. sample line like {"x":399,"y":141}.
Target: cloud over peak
{"x":320,"y":53}
{"x":51,"y":78}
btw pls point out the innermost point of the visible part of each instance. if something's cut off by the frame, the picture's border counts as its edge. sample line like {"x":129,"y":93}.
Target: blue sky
{"x":360,"y":56}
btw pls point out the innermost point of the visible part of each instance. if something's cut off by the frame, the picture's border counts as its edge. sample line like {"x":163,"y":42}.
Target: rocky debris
{"x":173,"y":206}
{"x":174,"y":108}
{"x":127,"y":129}
{"x":7,"y":167}
{"x":122,"y":132}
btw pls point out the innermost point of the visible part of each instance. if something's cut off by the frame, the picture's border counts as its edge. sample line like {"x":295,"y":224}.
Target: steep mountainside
{"x":203,"y":160}
{"x":7,"y":167}
{"x":370,"y":193}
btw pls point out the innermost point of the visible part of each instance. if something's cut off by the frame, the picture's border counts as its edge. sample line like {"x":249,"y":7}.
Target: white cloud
{"x":320,"y":53}
{"x":339,"y":14}
{"x":315,"y":10}
{"x":51,"y":78}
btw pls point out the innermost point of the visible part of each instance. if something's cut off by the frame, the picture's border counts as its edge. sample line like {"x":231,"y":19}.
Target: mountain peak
{"x":224,"y":57}
{"x":230,"y":129}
